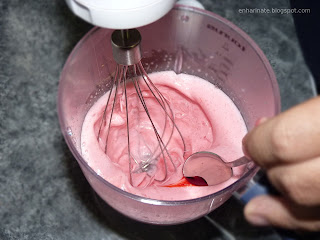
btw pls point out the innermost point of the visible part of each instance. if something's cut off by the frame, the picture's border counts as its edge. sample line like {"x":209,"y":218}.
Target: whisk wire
{"x":163,"y":106}
{"x":103,"y":120}
{"x":159,"y":139}
{"x":117,"y":82}
{"x":127,"y":120}
{"x":163,"y":99}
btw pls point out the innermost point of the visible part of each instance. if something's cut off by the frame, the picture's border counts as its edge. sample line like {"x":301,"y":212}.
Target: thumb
{"x":269,"y":210}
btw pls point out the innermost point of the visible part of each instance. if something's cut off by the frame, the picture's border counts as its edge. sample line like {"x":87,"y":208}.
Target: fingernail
{"x":260,"y":121}
{"x":244,"y":147}
{"x":254,"y":213}
{"x":258,"y":220}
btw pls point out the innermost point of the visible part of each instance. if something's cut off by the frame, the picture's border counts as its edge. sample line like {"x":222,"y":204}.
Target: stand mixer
{"x":124,"y":14}
{"x":201,"y":43}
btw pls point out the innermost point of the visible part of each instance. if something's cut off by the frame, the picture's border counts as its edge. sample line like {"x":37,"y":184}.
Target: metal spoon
{"x":208,"y":169}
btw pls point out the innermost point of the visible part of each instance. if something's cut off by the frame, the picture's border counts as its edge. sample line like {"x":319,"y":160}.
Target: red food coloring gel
{"x":189,"y":182}
{"x":197,"y":181}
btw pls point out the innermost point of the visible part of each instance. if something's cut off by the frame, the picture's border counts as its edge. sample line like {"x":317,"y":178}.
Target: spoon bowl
{"x":209,"y":169}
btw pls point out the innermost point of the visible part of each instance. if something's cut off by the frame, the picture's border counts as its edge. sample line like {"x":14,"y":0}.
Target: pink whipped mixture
{"x":206,"y":117}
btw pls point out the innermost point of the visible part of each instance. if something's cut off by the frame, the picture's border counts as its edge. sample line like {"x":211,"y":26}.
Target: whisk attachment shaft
{"x":126,"y":46}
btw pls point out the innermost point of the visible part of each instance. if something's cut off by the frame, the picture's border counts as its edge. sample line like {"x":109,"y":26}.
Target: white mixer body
{"x":120,"y":14}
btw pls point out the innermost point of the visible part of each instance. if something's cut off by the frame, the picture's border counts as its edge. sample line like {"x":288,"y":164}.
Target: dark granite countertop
{"x":43,"y":193}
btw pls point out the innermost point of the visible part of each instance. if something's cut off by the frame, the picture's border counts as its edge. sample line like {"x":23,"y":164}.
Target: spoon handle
{"x":238,"y":162}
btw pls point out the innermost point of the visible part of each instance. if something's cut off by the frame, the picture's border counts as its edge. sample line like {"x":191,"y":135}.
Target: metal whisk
{"x":129,"y":70}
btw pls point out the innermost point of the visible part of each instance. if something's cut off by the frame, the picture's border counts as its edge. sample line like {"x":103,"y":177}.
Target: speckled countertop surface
{"x":43,"y":194}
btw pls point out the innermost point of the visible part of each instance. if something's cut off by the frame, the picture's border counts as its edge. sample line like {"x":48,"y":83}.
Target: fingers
{"x":268,"y":210}
{"x":289,"y":137}
{"x":299,"y":182}
{"x":288,"y":147}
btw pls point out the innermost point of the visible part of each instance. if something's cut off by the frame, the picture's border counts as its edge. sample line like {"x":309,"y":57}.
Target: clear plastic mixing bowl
{"x":186,"y":40}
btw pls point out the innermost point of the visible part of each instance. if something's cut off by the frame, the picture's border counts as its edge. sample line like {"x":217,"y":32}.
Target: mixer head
{"x":120,"y":14}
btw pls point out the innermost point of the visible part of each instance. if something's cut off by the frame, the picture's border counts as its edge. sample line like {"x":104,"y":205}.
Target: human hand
{"x":288,"y":148}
